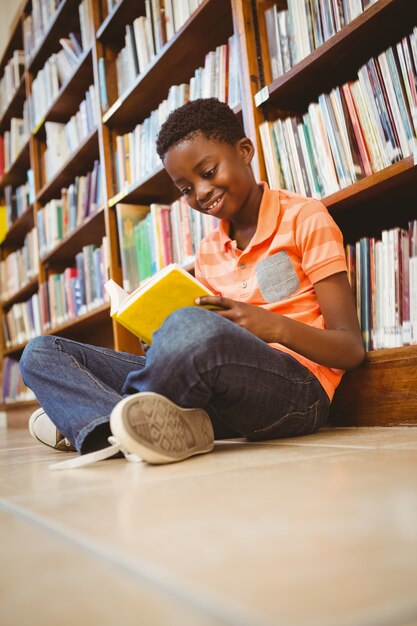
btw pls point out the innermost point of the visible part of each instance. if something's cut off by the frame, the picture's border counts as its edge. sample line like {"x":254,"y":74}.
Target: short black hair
{"x":208,"y":116}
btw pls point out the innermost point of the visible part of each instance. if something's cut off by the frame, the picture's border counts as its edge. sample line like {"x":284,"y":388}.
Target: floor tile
{"x":362,"y":437}
{"x":24,"y":466}
{"x":45,"y":581}
{"x":323,"y":539}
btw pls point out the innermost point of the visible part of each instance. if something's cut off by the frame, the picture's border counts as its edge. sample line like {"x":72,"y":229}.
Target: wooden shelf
{"x":18,"y":169}
{"x":112,"y":29}
{"x":84,"y":322}
{"x":208,"y":27}
{"x":381,"y":392}
{"x":90,"y":231}
{"x":157,"y":187}
{"x":19,"y":229}
{"x":67,"y":102}
{"x":366,"y":207}
{"x":373,"y":187}
{"x":338,"y":59}
{"x":64,"y":21}
{"x":21,"y":404}
{"x":17,"y":349}
{"x":22,"y":295}
{"x":15,"y":106}
{"x":79,"y":163}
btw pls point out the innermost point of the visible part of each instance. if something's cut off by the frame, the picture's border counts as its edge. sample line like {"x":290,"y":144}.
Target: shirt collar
{"x":265,"y":226}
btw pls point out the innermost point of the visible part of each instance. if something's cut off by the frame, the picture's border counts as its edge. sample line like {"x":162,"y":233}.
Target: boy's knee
{"x":187,"y":324}
{"x":33,"y":355}
{"x":192,"y":330}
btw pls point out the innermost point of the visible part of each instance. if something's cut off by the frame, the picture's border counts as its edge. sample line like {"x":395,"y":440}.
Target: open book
{"x":143,"y":311}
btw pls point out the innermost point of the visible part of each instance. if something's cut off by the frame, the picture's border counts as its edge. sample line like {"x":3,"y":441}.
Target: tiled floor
{"x":314,"y":531}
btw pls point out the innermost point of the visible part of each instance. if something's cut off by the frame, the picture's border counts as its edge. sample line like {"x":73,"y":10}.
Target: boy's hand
{"x":255,"y":319}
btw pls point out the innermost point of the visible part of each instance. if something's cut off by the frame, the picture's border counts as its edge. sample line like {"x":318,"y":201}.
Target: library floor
{"x":314,"y":531}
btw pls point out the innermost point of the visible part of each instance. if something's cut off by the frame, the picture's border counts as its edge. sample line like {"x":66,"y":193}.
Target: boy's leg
{"x":199,"y":359}
{"x":77,"y":385}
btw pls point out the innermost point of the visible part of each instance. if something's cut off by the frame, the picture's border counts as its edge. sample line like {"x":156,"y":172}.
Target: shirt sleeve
{"x":319,"y":242}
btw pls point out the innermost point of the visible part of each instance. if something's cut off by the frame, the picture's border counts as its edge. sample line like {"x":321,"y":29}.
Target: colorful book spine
{"x":22,"y":322}
{"x":13,"y":387}
{"x":78,"y":289}
{"x":353,"y":131}
{"x":382,"y":273}
{"x":151,"y":238}
{"x":134,"y":152}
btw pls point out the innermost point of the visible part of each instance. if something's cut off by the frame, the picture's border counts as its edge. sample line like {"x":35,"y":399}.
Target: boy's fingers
{"x":219,"y":301}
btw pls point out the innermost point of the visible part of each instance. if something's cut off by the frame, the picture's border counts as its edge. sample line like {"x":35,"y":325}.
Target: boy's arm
{"x":339,"y":345}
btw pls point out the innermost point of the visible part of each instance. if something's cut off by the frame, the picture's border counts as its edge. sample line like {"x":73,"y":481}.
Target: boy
{"x":265,"y":365}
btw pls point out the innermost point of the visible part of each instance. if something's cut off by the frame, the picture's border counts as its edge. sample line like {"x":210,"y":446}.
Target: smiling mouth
{"x":210,"y":207}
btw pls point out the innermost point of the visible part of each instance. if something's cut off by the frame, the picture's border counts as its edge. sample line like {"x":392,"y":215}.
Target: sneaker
{"x":157,"y":430}
{"x":42,"y":429}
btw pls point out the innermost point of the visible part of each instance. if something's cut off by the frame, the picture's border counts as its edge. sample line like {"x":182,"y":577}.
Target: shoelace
{"x":93,"y":457}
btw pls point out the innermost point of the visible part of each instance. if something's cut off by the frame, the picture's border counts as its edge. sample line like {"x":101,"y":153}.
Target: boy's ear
{"x":246,"y":149}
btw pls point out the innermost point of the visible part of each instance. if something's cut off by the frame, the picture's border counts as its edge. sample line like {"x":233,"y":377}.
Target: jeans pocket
{"x":294,"y":424}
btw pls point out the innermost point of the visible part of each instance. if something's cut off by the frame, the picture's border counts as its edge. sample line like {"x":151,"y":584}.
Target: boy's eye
{"x":186,"y":191}
{"x":209,"y":173}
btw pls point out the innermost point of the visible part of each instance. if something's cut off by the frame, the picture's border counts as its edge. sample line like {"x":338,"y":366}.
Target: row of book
{"x":22,"y":322}
{"x":136,"y":156}
{"x":63,"y":297}
{"x":10,"y":81}
{"x":60,"y":217}
{"x":383,"y":275}
{"x":167,"y":17}
{"x":356,"y":130}
{"x":219,"y":78}
{"x":18,"y":200}
{"x":62,"y":140}
{"x":20,"y":266}
{"x":293,"y":33}
{"x":36,"y":25}
{"x":54,"y":74}
{"x":151,"y":237}
{"x":86,"y":24}
{"x":14,"y":140}
{"x":78,"y":289}
{"x":13,"y":387}
{"x":147,"y":35}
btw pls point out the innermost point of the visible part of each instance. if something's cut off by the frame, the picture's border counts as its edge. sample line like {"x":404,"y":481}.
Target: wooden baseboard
{"x":18,"y":414}
{"x":381,"y":392}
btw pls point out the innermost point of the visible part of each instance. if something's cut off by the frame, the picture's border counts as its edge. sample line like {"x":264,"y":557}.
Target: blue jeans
{"x":197,"y":359}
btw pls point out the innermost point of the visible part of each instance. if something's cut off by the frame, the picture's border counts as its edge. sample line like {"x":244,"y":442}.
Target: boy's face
{"x":215,"y":177}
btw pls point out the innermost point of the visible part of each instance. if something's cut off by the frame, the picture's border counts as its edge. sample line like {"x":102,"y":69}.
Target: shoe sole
{"x":159,"y":431}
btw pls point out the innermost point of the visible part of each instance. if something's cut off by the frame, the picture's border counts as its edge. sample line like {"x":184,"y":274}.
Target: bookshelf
{"x":338,"y":58}
{"x":362,"y":208}
{"x":207,"y":26}
{"x":382,"y":391}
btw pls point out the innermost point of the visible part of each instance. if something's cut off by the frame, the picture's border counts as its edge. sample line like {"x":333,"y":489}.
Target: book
{"x":104,"y":100}
{"x":146,"y":308}
{"x":128,"y":216}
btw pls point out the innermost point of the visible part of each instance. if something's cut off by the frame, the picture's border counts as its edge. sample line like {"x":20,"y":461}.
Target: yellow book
{"x":4,"y":227}
{"x":146,"y":308}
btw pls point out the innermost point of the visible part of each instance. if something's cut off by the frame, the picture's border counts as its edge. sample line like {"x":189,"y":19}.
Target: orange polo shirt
{"x":296,"y":244}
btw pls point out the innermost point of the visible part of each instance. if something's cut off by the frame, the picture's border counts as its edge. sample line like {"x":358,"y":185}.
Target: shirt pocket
{"x":277,"y":278}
